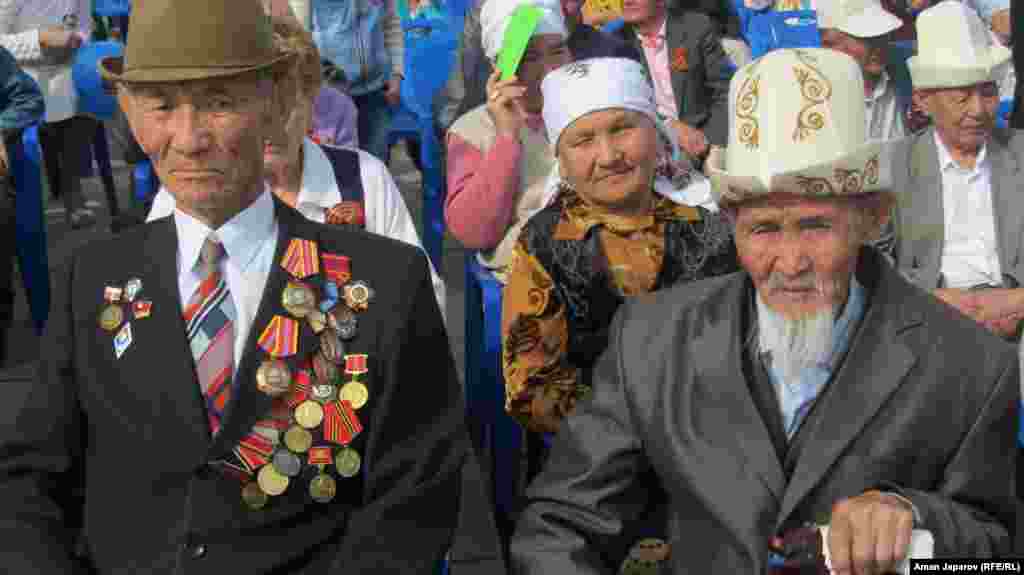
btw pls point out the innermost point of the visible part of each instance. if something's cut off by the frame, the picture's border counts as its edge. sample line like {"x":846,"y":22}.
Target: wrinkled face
{"x":964,"y":117}
{"x":205,"y":139}
{"x":609,"y":157}
{"x":640,"y":11}
{"x":800,"y":252}
{"x":284,"y":144}
{"x":544,"y":53}
{"x":869,"y":53}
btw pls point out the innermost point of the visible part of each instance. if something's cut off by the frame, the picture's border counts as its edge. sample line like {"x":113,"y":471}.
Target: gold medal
{"x":317,"y":321}
{"x":355,"y":393}
{"x":348,"y":462}
{"x":273,"y":377}
{"x":253,"y":496}
{"x":358,"y":295}
{"x":309,"y":414}
{"x":298,"y":439}
{"x":323,"y":488}
{"x":271,"y":482}
{"x":111,"y":317}
{"x":298,"y":299}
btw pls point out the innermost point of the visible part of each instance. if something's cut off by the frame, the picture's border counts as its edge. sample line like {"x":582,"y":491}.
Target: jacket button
{"x":198,"y":551}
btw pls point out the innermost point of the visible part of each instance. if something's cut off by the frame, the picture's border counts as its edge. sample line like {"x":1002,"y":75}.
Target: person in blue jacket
{"x":21,"y":105}
{"x":364,"y":39}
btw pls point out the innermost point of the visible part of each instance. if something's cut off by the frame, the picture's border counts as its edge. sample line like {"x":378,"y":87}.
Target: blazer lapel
{"x":165,"y":327}
{"x":874,"y":368}
{"x":717,"y":357}
{"x":1009,"y":209}
{"x":924,"y":219}
{"x":675,"y":38}
{"x":248,"y":405}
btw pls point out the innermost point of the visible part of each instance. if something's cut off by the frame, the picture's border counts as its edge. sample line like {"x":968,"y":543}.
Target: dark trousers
{"x":64,"y":144}
{"x":7,"y":251}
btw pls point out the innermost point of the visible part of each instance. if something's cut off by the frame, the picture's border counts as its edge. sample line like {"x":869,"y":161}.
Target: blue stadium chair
{"x":146,"y":184}
{"x":501,"y":435}
{"x":30,"y":233}
{"x":111,"y":8}
{"x":95,"y":101}
{"x":429,"y":52}
{"x":1003,"y":113}
{"x":768,"y":30}
{"x":613,"y":26}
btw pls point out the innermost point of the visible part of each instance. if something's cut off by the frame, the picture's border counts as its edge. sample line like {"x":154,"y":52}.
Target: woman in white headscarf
{"x":612,"y":231}
{"x":498,"y":156}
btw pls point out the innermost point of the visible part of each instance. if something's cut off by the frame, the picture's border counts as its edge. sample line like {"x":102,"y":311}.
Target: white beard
{"x":794,"y":344}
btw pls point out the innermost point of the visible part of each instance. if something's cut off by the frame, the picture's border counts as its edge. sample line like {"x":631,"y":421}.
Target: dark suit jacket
{"x":925,"y":404}
{"x":919,"y":225}
{"x":136,"y":429}
{"x":1017,"y":23}
{"x":702,"y":90}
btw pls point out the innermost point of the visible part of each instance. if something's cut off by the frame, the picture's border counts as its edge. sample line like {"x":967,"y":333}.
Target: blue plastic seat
{"x":146,"y":183}
{"x":502,"y":437}
{"x":429,"y":52}
{"x":613,"y":26}
{"x":111,"y":8}
{"x":95,"y":101}
{"x":767,"y":30}
{"x":30,"y":229}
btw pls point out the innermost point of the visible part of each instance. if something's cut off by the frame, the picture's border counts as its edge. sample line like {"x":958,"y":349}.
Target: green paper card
{"x":521,"y":25}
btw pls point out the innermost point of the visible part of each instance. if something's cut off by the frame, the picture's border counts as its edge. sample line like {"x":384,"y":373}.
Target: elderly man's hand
{"x":59,"y":38}
{"x":1000,"y":310}
{"x":869,"y":534}
{"x":393,"y":91}
{"x":964,"y":301}
{"x":691,"y":140}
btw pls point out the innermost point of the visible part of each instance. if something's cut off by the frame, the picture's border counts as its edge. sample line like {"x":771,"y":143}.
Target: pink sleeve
{"x":481,"y":190}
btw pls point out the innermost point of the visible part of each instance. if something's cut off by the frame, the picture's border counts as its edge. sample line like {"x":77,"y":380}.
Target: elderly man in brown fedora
{"x":232,"y":388}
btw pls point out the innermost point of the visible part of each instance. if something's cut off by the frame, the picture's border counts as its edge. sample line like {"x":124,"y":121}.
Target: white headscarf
{"x":579,"y":88}
{"x":494,"y":19}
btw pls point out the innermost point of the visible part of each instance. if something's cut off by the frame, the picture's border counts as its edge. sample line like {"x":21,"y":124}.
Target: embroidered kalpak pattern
{"x":746,"y":110}
{"x":280,"y":338}
{"x":816,"y":91}
{"x":844,"y":182}
{"x":301,"y":259}
{"x":578,"y":69}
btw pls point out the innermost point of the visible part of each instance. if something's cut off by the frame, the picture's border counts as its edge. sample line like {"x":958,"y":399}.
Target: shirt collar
{"x":319,"y":189}
{"x":853,"y":311}
{"x":241,"y":236}
{"x":946,"y":159}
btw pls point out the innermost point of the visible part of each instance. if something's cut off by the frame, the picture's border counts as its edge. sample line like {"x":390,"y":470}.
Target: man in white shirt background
{"x":861,"y":29}
{"x":960,"y":227}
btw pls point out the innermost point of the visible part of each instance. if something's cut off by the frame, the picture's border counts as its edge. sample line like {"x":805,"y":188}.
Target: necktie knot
{"x":212,"y":251}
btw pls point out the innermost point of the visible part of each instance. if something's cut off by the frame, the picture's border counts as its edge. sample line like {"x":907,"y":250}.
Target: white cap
{"x":954,"y":48}
{"x":494,"y":19}
{"x":858,"y":18}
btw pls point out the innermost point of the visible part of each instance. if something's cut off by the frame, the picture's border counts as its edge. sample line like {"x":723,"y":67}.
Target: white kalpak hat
{"x":954,"y":48}
{"x":858,"y":18}
{"x":797,"y":124}
{"x":494,"y":19}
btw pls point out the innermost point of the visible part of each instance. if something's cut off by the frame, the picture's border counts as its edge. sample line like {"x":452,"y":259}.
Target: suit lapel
{"x":925,"y":220}
{"x":165,"y":329}
{"x":1009,"y":213}
{"x":874,"y":368}
{"x":718,"y":358}
{"x":675,"y":38}
{"x":249,"y":404}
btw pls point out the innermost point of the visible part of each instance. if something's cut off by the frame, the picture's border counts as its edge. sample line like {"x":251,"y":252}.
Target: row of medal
{"x":313,"y":421}
{"x":114,"y":316}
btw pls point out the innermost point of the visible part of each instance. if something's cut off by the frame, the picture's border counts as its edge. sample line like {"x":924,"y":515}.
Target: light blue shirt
{"x":797,"y":398}
{"x":986,"y":8}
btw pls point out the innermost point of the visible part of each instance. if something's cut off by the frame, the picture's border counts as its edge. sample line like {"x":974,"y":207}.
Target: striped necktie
{"x":209,"y":319}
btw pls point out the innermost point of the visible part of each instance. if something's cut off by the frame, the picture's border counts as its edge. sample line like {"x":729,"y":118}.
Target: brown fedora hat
{"x":181,"y":40}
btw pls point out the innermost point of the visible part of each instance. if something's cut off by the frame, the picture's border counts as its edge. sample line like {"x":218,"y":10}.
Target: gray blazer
{"x":919,"y":223}
{"x":925,"y":404}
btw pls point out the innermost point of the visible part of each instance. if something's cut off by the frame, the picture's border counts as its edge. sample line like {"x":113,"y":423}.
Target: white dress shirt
{"x":970,"y":254}
{"x":249,"y":240}
{"x":385,"y":210}
{"x":886,"y":121}
{"x":20,"y":23}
